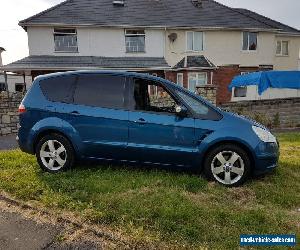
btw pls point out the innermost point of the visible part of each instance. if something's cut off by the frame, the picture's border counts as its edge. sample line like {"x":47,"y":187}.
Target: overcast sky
{"x":14,"y":39}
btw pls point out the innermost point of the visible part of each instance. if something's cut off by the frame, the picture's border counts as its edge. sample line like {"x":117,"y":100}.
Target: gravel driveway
{"x":8,"y":142}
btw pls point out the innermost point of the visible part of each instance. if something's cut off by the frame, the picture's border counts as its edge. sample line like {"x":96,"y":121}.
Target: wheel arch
{"x":235,"y":142}
{"x":45,"y":132}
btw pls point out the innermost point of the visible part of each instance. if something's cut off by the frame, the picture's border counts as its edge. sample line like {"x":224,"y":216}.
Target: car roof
{"x":110,"y":72}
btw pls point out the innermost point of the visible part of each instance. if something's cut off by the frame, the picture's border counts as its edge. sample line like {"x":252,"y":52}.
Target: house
{"x":13,"y":82}
{"x":191,"y":42}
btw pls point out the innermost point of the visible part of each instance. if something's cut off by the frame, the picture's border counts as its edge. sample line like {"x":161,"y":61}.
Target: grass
{"x":162,"y":207}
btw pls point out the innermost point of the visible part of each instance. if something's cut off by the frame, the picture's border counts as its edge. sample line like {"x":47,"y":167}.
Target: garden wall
{"x":9,"y":103}
{"x":275,"y":113}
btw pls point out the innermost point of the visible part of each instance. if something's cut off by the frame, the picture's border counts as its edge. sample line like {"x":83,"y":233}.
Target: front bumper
{"x":267,"y":156}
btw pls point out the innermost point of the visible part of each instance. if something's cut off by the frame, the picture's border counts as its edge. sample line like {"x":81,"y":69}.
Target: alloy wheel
{"x":53,"y":154}
{"x":227,"y":167}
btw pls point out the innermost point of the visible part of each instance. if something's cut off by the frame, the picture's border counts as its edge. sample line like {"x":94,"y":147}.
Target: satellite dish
{"x":173,"y":37}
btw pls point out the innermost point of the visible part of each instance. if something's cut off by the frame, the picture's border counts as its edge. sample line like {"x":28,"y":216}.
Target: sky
{"x":14,"y":39}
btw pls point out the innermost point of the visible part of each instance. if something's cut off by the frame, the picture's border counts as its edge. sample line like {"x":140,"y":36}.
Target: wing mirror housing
{"x":181,"y":110}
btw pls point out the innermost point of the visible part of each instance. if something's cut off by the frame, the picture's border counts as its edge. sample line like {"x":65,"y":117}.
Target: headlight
{"x":263,"y":134}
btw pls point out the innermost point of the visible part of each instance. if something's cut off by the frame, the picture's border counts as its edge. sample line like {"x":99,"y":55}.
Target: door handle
{"x":141,"y":121}
{"x":75,"y":113}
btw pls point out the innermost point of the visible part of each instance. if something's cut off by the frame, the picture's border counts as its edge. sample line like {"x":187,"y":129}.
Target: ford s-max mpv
{"x":138,"y":118}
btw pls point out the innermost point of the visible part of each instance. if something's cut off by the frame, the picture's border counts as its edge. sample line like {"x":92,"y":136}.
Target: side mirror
{"x":181,"y":111}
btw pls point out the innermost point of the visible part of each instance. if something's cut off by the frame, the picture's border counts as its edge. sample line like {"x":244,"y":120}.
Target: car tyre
{"x":227,"y":164}
{"x":55,"y":153}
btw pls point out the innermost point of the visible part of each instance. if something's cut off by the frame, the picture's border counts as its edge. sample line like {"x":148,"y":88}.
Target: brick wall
{"x":276,"y":113}
{"x":222,"y":78}
{"x":9,"y":103}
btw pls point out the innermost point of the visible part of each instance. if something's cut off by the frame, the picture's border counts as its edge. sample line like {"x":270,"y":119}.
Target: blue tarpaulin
{"x":268,"y":79}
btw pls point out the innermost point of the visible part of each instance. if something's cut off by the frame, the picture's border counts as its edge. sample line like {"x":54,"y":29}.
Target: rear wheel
{"x":227,"y":164}
{"x":54,"y":153}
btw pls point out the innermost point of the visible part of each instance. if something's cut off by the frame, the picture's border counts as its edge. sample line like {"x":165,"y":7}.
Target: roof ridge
{"x":235,"y":10}
{"x":270,"y":19}
{"x":45,"y":11}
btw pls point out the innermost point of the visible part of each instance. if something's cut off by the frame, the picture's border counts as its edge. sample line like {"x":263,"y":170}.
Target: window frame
{"x":206,"y":77}
{"x":177,"y":82}
{"x":248,"y":41}
{"x":187,"y":42}
{"x":281,"y":48}
{"x":57,"y":32}
{"x":143,"y":34}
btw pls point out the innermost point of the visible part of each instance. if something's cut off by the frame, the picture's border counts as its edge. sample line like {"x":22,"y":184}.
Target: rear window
{"x":58,"y":89}
{"x":104,"y":91}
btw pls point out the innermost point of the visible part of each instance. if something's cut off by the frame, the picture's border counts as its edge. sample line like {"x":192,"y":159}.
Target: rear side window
{"x":58,"y":89}
{"x":104,"y":91}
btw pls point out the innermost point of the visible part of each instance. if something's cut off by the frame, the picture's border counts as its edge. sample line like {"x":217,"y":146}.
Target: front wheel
{"x":227,"y":164}
{"x":54,"y":153}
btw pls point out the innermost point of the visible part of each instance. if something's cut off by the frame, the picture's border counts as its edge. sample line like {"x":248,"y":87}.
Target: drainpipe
{"x":5,"y":81}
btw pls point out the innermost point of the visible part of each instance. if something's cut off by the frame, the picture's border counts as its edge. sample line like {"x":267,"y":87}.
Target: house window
{"x":135,"y":41}
{"x":249,"y":41}
{"x":240,"y":92}
{"x":2,"y":86}
{"x":282,"y":48}
{"x":20,"y":87}
{"x":197,"y":79}
{"x":180,"y":79}
{"x":194,"y":41}
{"x":65,"y":40}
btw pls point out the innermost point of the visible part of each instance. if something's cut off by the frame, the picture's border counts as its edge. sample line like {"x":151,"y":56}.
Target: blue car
{"x":138,"y":118}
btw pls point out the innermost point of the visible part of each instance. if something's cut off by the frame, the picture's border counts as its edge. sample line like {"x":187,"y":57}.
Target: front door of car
{"x":156,"y":134}
{"x":98,"y":115}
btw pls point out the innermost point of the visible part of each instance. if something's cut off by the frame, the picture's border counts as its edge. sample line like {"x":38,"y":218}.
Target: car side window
{"x":200,"y":109}
{"x":96,"y":90}
{"x":58,"y":89}
{"x":153,"y":97}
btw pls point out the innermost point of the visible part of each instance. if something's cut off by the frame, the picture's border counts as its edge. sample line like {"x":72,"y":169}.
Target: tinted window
{"x":200,"y":109}
{"x":100,"y":91}
{"x":58,"y":89}
{"x":153,"y":97}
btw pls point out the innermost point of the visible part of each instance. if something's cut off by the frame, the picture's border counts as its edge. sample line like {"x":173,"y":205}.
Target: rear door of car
{"x":99,"y":115}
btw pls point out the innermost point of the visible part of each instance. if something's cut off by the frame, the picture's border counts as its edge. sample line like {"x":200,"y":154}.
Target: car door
{"x":99,"y":116}
{"x":156,"y":134}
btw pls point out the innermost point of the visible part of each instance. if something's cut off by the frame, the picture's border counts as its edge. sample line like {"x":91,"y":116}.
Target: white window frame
{"x":197,"y":73}
{"x":179,"y":75}
{"x":242,"y":87}
{"x":203,"y":38}
{"x":62,"y":31}
{"x":245,"y":73}
{"x":248,"y":50}
{"x":281,"y":50}
{"x":142,"y":34}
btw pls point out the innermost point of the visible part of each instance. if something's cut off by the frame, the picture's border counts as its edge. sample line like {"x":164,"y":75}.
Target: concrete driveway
{"x":8,"y":142}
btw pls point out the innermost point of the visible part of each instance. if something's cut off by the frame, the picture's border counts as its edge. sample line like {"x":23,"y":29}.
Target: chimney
{"x":1,"y":50}
{"x":197,"y":3}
